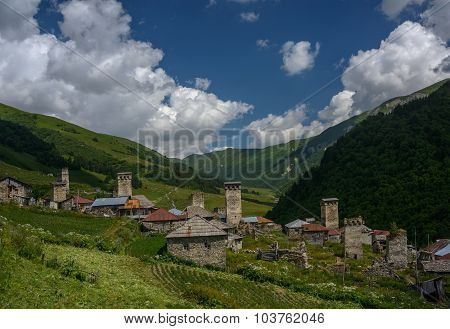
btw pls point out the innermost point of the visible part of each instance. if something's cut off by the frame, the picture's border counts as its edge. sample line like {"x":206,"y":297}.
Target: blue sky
{"x":117,"y":66}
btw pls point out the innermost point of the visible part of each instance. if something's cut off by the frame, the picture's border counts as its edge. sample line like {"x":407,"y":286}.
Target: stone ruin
{"x":380,"y":267}
{"x":353,"y":238}
{"x":329,"y":213}
{"x":297,"y":256}
{"x":233,"y":202}
{"x":397,"y":249}
{"x":197,"y":199}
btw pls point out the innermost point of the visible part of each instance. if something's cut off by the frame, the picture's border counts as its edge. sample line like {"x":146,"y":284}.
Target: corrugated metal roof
{"x":144,"y":202}
{"x":196,"y":227}
{"x":176,"y":212}
{"x":438,"y":245}
{"x":252,"y":219}
{"x":161,"y":215}
{"x":444,"y":251}
{"x":314,"y":228}
{"x":81,"y":200}
{"x":106,"y":202}
{"x":296,"y":223}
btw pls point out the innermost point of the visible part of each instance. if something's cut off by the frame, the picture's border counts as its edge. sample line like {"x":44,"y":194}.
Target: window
{"x":207,"y":245}
{"x":185,"y":246}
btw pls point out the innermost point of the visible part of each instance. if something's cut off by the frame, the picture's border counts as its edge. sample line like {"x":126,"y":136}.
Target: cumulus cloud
{"x":392,"y":8}
{"x":410,"y":58}
{"x":298,"y":57}
{"x":437,"y":17}
{"x":97,"y":76}
{"x":262,"y":43}
{"x":249,"y":16}
{"x":202,"y":83}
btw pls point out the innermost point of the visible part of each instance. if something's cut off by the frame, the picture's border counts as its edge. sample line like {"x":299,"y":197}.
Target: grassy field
{"x":136,"y":272}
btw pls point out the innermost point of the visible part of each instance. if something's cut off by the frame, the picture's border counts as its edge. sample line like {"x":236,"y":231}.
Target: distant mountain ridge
{"x":278,"y":160}
{"x":392,"y":168}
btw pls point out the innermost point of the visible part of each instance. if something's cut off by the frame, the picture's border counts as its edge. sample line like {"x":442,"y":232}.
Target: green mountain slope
{"x":389,"y":168}
{"x":280,"y":165}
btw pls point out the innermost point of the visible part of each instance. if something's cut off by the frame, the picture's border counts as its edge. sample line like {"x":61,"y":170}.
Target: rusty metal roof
{"x":196,"y":227}
{"x":161,"y":215}
{"x":314,"y":228}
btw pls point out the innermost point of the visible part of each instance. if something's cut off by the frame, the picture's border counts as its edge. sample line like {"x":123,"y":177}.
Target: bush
{"x":53,"y":263}
{"x":31,"y":247}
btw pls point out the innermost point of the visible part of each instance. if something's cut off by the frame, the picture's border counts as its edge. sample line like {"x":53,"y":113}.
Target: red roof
{"x":381,"y":232}
{"x":314,"y":228}
{"x":162,"y":215}
{"x":334,"y":232}
{"x":80,"y":200}
{"x":263,"y":220}
{"x":438,"y":245}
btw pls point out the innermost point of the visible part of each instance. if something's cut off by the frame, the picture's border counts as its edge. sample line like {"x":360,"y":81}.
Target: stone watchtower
{"x":124,"y":184}
{"x":197,"y":199}
{"x":353,"y":238}
{"x":329,"y":213}
{"x":59,"y":192}
{"x":397,"y":249}
{"x":64,"y":178}
{"x":233,"y":202}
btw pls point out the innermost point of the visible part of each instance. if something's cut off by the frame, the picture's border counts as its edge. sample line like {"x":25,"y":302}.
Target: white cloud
{"x":39,"y":73}
{"x":12,"y":25}
{"x":340,"y":108}
{"x":392,"y":8}
{"x":262,"y":43}
{"x":202,"y":83}
{"x":249,"y":16}
{"x":298,"y":57}
{"x":437,"y":17}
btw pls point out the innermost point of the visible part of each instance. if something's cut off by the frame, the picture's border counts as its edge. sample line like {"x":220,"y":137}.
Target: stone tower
{"x":59,"y":192}
{"x":233,"y":202}
{"x":198,"y":199}
{"x":329,"y":213}
{"x":353,"y":238}
{"x":64,"y":178}
{"x":397,"y":249}
{"x":124,"y":184}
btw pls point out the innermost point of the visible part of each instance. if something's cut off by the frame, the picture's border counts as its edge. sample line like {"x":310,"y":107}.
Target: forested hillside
{"x":390,"y":168}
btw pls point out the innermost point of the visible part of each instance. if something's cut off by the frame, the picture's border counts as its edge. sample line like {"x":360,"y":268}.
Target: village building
{"x":366,"y":235}
{"x":352,"y":238}
{"x":192,"y":211}
{"x":334,"y":236}
{"x":294,"y":229}
{"x":64,"y":178}
{"x":162,"y":221}
{"x":13,"y":190}
{"x":379,"y":238}
{"x":329,"y":213}
{"x":197,"y":199}
{"x":396,"y":249}
{"x":257,"y":221}
{"x":234,"y":240}
{"x":315,"y":233}
{"x":137,"y":207}
{"x":58,"y":195}
{"x":176,"y":211}
{"x":233,"y":202}
{"x":76,"y":203}
{"x":108,"y":207}
{"x":200,"y":242}
{"x":435,"y":257}
{"x":221,"y":213}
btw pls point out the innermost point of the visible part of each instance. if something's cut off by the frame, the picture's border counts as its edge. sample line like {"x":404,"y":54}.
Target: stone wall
{"x":124,"y":184}
{"x":233,"y":203}
{"x":314,"y":237}
{"x":436,"y":266}
{"x":3,"y":193}
{"x":397,"y":250}
{"x":329,"y":213}
{"x":59,"y":192}
{"x":162,"y":227}
{"x":294,"y":233}
{"x":197,"y":199}
{"x":353,"y":238}
{"x":200,"y":250}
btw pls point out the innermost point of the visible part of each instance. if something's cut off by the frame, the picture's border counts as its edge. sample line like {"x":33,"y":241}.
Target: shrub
{"x":31,"y":247}
{"x":53,"y":263}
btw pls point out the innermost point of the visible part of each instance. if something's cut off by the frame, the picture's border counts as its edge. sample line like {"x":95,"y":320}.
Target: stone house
{"x":294,"y":229}
{"x":234,"y":240}
{"x":13,"y":190}
{"x":162,"y":221}
{"x":366,"y":235}
{"x":379,"y":238}
{"x":397,"y":249}
{"x":108,"y":207}
{"x":436,"y":257}
{"x":329,"y":213}
{"x":137,"y":207}
{"x":76,"y":203}
{"x":315,"y":233}
{"x":200,"y":242}
{"x":192,"y":211}
{"x":334,"y":236}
